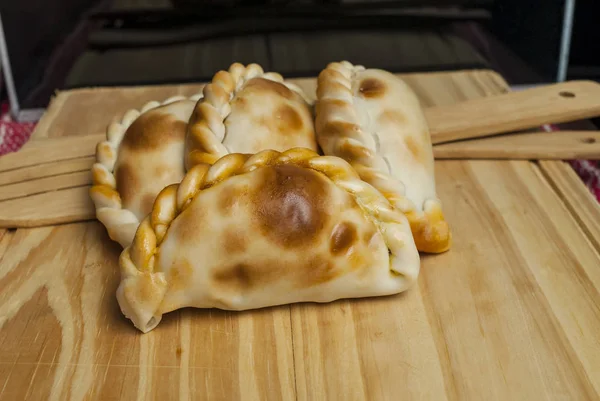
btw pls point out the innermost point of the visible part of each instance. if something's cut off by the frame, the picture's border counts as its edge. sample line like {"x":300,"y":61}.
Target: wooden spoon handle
{"x":559,"y":145}
{"x":552,"y":104}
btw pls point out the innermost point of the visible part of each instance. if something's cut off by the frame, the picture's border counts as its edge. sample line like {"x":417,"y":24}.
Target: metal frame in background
{"x":18,"y":114}
{"x":565,"y":40}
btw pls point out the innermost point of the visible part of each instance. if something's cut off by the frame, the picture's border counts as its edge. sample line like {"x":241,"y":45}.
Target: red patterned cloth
{"x":589,"y":172}
{"x":13,"y":135}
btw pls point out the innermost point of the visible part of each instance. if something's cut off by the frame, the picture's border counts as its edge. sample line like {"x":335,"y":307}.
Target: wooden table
{"x":512,"y":312}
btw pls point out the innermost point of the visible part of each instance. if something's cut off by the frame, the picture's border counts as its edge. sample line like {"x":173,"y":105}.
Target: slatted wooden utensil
{"x":47,"y":181}
{"x":56,"y":170}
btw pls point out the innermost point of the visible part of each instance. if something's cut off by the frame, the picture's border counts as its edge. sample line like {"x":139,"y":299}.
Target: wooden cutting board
{"x":511,"y":312}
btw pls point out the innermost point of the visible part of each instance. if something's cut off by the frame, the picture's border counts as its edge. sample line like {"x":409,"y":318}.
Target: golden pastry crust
{"x":373,"y":120}
{"x":123,"y":192}
{"x":245,"y":110}
{"x":312,"y":229}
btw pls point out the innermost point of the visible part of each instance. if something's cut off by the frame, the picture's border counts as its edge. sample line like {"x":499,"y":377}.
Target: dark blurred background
{"x":74,"y":43}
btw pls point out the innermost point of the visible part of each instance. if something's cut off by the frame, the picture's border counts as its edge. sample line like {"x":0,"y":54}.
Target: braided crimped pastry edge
{"x":120,"y":223}
{"x":138,"y":260}
{"x":206,"y":128}
{"x":430,"y":230}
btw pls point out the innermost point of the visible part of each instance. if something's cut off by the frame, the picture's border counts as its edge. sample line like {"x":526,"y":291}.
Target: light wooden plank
{"x":576,"y":197}
{"x":5,"y":238}
{"x":63,"y":206}
{"x":46,"y":185}
{"x":559,"y":145}
{"x":62,"y":335}
{"x":44,"y":151}
{"x":370,"y":349}
{"x":47,"y":170}
{"x":557,"y":254}
{"x":553,"y":104}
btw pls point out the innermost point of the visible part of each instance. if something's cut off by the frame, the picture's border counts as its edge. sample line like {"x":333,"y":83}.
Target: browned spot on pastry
{"x":414,"y":148}
{"x":358,"y":259}
{"x":393,"y":117}
{"x":290,"y":205}
{"x":148,"y":202}
{"x":234,"y":241}
{"x":236,"y":278}
{"x":372,"y":88}
{"x":318,"y":269}
{"x":343,"y":237}
{"x":337,"y":128}
{"x":106,"y":191}
{"x":180,"y":275}
{"x":333,"y":102}
{"x":127,"y":183}
{"x":351,"y":152}
{"x":266,"y":85}
{"x":152,"y":130}
{"x":194,"y":221}
{"x":240,"y":103}
{"x":288,"y":119}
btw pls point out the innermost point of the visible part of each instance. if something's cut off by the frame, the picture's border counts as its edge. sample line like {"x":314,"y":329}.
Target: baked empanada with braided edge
{"x":253,"y":231}
{"x":373,"y":120}
{"x":142,"y":154}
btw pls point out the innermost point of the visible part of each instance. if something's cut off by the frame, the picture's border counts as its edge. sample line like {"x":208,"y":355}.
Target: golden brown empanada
{"x":268,"y":229}
{"x":245,"y":110}
{"x":373,"y":120}
{"x":142,"y":154}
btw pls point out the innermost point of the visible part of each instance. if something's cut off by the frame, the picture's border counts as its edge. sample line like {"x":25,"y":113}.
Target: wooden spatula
{"x":512,"y":111}
{"x":47,"y":181}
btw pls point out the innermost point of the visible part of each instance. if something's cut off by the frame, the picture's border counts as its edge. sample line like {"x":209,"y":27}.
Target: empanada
{"x":245,"y":110}
{"x":373,"y":120}
{"x":142,"y":154}
{"x":268,"y":229}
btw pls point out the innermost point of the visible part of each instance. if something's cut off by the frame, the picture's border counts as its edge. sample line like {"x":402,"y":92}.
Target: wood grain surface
{"x":577,"y":198}
{"x":512,"y":311}
{"x":38,"y":153}
{"x":47,"y":208}
{"x":45,"y":170}
{"x":558,"y":145}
